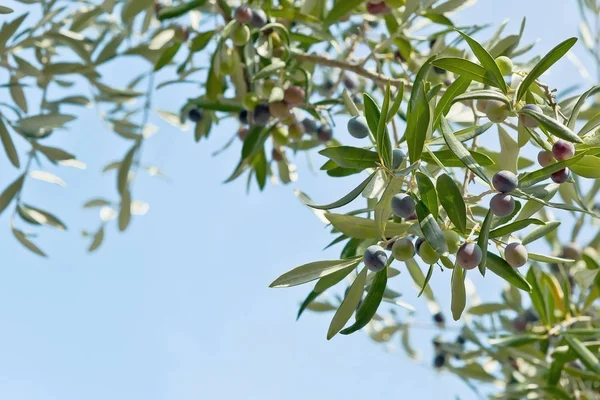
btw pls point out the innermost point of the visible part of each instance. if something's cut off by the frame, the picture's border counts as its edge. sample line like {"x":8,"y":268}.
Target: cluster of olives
{"x":244,"y":16}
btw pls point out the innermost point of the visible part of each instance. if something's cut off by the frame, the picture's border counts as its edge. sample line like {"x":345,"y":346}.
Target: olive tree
{"x":468,"y":163}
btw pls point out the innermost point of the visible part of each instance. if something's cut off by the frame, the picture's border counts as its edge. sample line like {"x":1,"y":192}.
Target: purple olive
{"x":195,"y":115}
{"x":528,"y":121}
{"x":563,"y":150}
{"x":375,"y":258}
{"x":261,"y":115}
{"x":310,"y":126}
{"x":502,"y":205}
{"x":397,"y":157}
{"x":561,"y":176}
{"x":243,"y":14}
{"x":324,"y":133}
{"x":403,"y":205}
{"x":259,"y":18}
{"x":505,"y":181}
{"x":545,"y":158}
{"x":358,"y":127}
{"x":571,"y":251}
{"x":469,"y":255}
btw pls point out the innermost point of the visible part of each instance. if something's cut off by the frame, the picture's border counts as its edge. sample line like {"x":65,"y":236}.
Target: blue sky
{"x":179,"y":306}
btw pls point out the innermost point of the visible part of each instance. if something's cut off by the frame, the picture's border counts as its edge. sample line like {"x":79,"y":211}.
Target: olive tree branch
{"x":351,"y":67}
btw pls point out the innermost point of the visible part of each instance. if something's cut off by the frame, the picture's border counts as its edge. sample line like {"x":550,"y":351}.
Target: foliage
{"x":290,"y":71}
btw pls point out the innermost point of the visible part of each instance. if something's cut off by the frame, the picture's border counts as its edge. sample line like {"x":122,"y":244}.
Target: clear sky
{"x":179,"y":306}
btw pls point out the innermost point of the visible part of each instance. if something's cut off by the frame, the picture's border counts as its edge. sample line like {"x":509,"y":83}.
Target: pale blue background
{"x":178,"y":307}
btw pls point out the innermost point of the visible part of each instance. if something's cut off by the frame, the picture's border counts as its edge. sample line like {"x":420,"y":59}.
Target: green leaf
{"x":449,"y":159}
{"x":516,"y":340}
{"x":489,"y":308}
{"x":585,"y":355}
{"x":35,"y":215}
{"x":427,"y":279}
{"x":431,"y":229}
{"x":333,"y":279}
{"x":483,"y":240}
{"x":452,"y":200}
{"x":349,"y":304}
{"x":351,"y":157}
{"x":5,"y":10}
{"x":98,"y":239}
{"x":170,"y":12}
{"x":417,"y":125}
{"x":460,"y":150}
{"x":459,"y":295}
{"x":501,"y":268}
{"x":509,"y":148}
{"x":312,"y":271}
{"x":44,"y":122}
{"x":124,"y":211}
{"x":548,"y":259}
{"x":22,"y":238}
{"x":540,"y":232}
{"x":513,"y":227}
{"x":419,"y":279}
{"x":9,"y":146}
{"x":201,"y":40}
{"x":124,"y":168}
{"x":269,"y":70}
{"x":588,"y":167}
{"x":552,"y":125}
{"x":347,"y":198}
{"x":580,"y":103}
{"x":487,"y":62}
{"x":364,"y":228}
{"x":459,"y":86}
{"x":464,"y":134}
{"x":542,"y":66}
{"x":537,"y":296}
{"x":10,"y":192}
{"x":484,"y":94}
{"x":339,"y":10}
{"x":383,"y":141}
{"x":309,"y":299}
{"x":427,"y":193}
{"x":370,"y":304}
{"x":383,"y":209}
{"x":544,"y":173}
{"x":466,"y":69}
{"x":395,"y":107}
{"x":167,"y":55}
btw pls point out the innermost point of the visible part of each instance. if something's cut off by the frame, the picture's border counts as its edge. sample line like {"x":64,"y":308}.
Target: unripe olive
{"x":280,"y":135}
{"x":240,"y":34}
{"x":469,"y":255}
{"x":505,"y":65}
{"x":403,"y":249}
{"x":375,"y":258}
{"x":279,"y":109}
{"x":516,"y":255}
{"x":526,"y":120}
{"x":243,"y":14}
{"x":428,"y":254}
{"x":296,"y":131}
{"x":250,"y":101}
{"x":403,"y":205}
{"x":505,"y":181}
{"x":398,"y":157}
{"x":561,"y":176}
{"x":563,"y":150}
{"x":496,"y":111}
{"x":452,"y":241}
{"x":481,"y":105}
{"x":502,"y":205}
{"x":358,"y":127}
{"x":294,"y":95}
{"x":545,"y":158}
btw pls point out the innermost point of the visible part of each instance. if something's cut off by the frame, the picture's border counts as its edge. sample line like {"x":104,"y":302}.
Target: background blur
{"x":179,"y":306}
